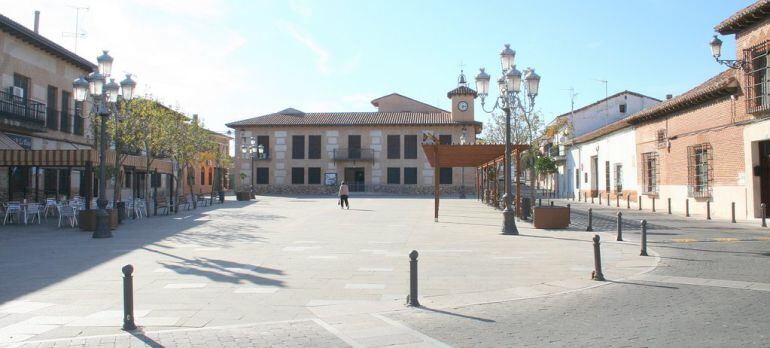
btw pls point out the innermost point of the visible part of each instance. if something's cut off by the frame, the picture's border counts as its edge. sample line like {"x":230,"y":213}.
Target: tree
{"x":189,"y":142}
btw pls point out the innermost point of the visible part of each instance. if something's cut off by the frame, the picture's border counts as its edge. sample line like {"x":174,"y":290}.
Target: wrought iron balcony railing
{"x":353,"y":154}
{"x":21,"y":109}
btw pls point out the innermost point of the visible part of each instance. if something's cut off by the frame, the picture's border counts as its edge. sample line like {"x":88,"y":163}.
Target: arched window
{"x":203,"y":176}
{"x":211,"y":175}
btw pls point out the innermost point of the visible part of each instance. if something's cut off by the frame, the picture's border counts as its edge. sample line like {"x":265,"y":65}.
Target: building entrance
{"x":764,"y":174}
{"x":354,"y":177}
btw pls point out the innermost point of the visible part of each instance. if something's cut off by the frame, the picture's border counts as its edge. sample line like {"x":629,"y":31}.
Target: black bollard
{"x":128,"y":298}
{"x":552,"y":203}
{"x":539,"y":202}
{"x":732,"y":208}
{"x":412,"y":298}
{"x":609,"y":202}
{"x":628,"y":201}
{"x":600,"y":198}
{"x":764,"y":215}
{"x":617,"y":200}
{"x":620,"y":227}
{"x":640,"y":202}
{"x":653,"y":204}
{"x":592,"y":198}
{"x":644,"y":238}
{"x":669,"y":206}
{"x":687,"y":207}
{"x":569,"y":213}
{"x":597,"y":260}
{"x":708,"y":210}
{"x":590,"y":217}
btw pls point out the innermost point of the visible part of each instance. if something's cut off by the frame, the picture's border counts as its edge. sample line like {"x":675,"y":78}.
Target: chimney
{"x":195,"y":118}
{"x":37,"y":22}
{"x":669,"y":96}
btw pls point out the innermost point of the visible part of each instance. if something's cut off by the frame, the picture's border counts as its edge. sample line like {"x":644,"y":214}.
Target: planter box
{"x":87,"y":219}
{"x":551,"y":217}
{"x":243,"y":196}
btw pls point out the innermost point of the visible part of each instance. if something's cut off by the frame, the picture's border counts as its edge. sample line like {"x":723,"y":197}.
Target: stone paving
{"x":297,"y":265}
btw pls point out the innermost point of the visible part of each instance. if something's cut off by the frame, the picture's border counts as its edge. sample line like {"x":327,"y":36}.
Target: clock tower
{"x":462,"y":99}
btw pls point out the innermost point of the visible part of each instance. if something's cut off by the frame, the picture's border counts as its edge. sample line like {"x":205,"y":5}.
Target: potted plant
{"x":243,"y":193}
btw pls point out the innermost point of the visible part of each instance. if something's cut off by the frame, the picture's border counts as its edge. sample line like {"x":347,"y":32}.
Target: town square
{"x":326,"y":174}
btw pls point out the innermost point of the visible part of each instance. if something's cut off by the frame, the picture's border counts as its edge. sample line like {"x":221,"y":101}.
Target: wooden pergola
{"x":480,"y":156}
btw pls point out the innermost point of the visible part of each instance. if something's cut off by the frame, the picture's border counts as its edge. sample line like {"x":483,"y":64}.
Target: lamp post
{"x":463,"y":141}
{"x":250,"y":148}
{"x":513,"y":100}
{"x":104,"y":98}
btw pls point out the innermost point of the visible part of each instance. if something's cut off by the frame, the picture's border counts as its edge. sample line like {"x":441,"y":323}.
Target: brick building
{"x":372,"y":151}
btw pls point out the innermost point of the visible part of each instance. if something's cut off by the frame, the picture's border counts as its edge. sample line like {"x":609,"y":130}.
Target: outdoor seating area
{"x":66,"y":212}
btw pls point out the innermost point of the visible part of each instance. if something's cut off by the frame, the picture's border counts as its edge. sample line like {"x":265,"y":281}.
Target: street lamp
{"x":463,"y":141}
{"x":511,"y":101}
{"x":104,"y":98}
{"x":716,"y":52}
{"x":249,"y":148}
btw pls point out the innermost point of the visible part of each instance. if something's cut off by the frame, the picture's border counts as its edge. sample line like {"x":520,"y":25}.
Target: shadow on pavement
{"x":457,"y":315}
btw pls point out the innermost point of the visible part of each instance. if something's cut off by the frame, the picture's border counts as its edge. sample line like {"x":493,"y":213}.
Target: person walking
{"x":344,"y":192}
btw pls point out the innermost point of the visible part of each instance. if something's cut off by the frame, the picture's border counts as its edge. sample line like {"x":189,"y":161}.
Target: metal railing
{"x":353,"y":154}
{"x":22,"y":109}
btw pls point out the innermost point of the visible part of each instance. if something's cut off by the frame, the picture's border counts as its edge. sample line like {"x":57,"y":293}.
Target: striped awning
{"x":75,"y":158}
{"x":8,"y":143}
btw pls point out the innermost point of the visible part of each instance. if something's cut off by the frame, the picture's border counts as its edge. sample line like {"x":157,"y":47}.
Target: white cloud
{"x":300,"y":7}
{"x":322,"y":55}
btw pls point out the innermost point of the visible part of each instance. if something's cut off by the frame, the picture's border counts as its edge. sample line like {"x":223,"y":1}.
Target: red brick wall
{"x":714,"y":123}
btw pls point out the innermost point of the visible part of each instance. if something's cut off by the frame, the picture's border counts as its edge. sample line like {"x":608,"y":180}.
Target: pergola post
{"x":436,"y":188}
{"x":89,"y":183}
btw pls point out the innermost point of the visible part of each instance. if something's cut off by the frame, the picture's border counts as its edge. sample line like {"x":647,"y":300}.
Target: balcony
{"x":557,"y":153}
{"x":353,"y":154}
{"x":21,"y":113}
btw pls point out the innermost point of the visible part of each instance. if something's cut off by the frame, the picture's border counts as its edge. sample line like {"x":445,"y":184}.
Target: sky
{"x":232,"y":60}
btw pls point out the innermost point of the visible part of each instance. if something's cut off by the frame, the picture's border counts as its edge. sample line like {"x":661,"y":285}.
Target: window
{"x":585,"y":177}
{"x":394,"y":176}
{"x":650,"y":172}
{"x":155,"y":180}
{"x":77,"y":125}
{"x":622,"y":108}
{"x":618,"y":178}
{"x":757,"y":86}
{"x":445,"y":176}
{"x":607,"y":176}
{"x":394,"y":146}
{"x":314,"y":176}
{"x":410,"y":176}
{"x":127,"y":178}
{"x":203,"y":175}
{"x":22,"y":82}
{"x":263,"y":176}
{"x":314,"y":147}
{"x":211,"y":175}
{"x":65,"y":112}
{"x":264,"y":140}
{"x":445,"y":139}
{"x":298,"y":176}
{"x":661,"y":139}
{"x":699,"y":170}
{"x":410,"y":147}
{"x":298,"y":147}
{"x":51,"y":117}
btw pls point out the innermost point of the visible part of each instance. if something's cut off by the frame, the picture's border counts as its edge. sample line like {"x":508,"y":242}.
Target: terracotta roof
{"x":608,"y":98}
{"x":283,"y":118}
{"x":462,"y":90}
{"x":744,"y":18}
{"x":617,"y":125}
{"x":723,"y":84}
{"x":11,"y":27}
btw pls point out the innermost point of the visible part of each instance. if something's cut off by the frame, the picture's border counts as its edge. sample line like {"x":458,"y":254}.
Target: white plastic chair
{"x":141,"y":208}
{"x":68,"y":212}
{"x":50,"y":207}
{"x":13,"y":209}
{"x":33,"y":210}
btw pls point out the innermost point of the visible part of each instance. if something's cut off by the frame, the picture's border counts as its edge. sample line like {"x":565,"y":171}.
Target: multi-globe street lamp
{"x":103,"y":97}
{"x":515,"y":99}
{"x":251,"y":148}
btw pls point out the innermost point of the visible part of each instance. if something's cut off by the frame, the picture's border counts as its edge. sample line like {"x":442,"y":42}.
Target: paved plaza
{"x":300,"y":266}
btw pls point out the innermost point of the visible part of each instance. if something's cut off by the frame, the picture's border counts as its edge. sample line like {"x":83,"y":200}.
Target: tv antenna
{"x":77,"y":33}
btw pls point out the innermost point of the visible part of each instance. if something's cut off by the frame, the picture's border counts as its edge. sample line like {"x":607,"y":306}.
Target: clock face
{"x":463,"y":106}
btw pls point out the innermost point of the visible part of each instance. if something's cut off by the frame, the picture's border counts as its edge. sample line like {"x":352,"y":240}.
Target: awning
{"x":75,"y":158}
{"x":6,"y":143}
{"x":471,"y":155}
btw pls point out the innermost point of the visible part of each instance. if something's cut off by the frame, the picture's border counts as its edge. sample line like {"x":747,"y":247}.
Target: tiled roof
{"x":462,"y":90}
{"x":717,"y":86}
{"x":348,"y":119}
{"x":37,"y":40}
{"x":744,"y":18}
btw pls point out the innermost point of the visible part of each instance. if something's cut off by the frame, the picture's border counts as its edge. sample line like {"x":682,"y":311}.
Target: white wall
{"x":617,"y":148}
{"x":596,"y":116}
